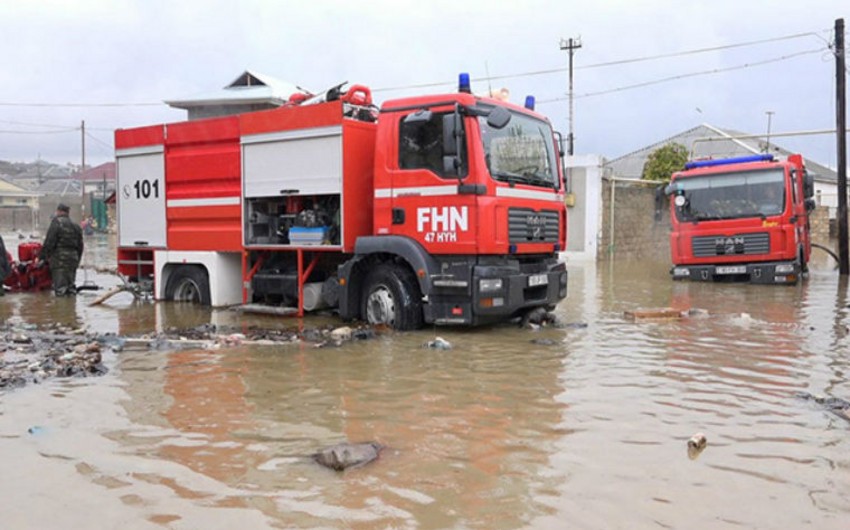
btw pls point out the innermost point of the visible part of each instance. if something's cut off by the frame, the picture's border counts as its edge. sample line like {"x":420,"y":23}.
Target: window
{"x":421,"y":145}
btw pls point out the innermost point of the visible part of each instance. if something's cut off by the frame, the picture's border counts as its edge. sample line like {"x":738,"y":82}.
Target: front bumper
{"x":773,"y":272}
{"x":495,"y":292}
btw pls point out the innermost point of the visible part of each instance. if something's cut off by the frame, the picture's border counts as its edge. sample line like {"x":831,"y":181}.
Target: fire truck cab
{"x":744,"y":219}
{"x":442,"y":209}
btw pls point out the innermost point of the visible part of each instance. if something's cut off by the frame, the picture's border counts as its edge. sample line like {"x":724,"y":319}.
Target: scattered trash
{"x":537,"y":318}
{"x":439,"y":343}
{"x":36,"y":430}
{"x":696,"y":444}
{"x":341,"y":334}
{"x":347,"y":455}
{"x":664,"y":313}
{"x":544,"y":342}
{"x":839,"y":407}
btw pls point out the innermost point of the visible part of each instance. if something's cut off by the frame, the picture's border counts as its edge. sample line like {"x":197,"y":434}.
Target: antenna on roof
{"x":770,"y":114}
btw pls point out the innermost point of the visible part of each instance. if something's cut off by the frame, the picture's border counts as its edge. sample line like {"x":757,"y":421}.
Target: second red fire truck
{"x":743,"y":218}
{"x":442,"y":209}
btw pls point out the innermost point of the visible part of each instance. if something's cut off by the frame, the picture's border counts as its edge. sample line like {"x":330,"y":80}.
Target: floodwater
{"x":587,"y":429}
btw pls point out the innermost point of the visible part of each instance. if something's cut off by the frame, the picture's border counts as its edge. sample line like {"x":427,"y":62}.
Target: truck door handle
{"x":398,"y":216}
{"x":289,"y":192}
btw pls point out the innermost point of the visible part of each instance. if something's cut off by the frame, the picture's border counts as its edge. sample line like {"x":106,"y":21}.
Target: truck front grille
{"x":739,"y":244}
{"x":529,"y":226}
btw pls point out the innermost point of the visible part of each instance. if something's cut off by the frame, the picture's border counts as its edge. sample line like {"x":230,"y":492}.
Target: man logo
{"x":535,"y":225}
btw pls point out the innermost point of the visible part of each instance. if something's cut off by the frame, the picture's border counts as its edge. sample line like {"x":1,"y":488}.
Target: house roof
{"x":708,"y":141}
{"x":60,"y":187}
{"x":105,"y":171}
{"x":248,"y":88}
{"x":9,"y":189}
{"x":44,"y":171}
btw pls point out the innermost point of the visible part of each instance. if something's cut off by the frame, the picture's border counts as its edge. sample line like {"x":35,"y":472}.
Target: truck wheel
{"x":188,"y":283}
{"x":391,"y":296}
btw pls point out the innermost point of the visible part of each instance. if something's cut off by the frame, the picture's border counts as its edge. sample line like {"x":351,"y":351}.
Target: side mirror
{"x":451,"y":133}
{"x":561,"y":151}
{"x":451,"y":165}
{"x":498,"y":118}
{"x":808,"y":185}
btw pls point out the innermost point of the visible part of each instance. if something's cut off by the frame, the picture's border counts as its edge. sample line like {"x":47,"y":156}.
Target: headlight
{"x":784,"y":268}
{"x":489,"y":285}
{"x":681,"y":271}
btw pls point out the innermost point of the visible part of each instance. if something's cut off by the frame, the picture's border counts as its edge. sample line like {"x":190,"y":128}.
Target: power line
{"x":27,"y":124}
{"x":698,"y":50}
{"x":39,"y":132}
{"x":684,"y":76}
{"x":9,"y":104}
{"x":98,"y":140}
{"x":477,"y":79}
{"x":608,"y":63}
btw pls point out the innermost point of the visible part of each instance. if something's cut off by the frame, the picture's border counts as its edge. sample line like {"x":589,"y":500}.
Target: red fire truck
{"x":443,"y":209}
{"x":744,"y":219}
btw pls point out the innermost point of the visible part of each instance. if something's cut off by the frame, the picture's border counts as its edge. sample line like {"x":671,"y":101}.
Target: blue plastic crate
{"x":299,"y":235}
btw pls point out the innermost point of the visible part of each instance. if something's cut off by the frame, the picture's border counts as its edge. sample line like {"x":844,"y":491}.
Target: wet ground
{"x":583,"y":426}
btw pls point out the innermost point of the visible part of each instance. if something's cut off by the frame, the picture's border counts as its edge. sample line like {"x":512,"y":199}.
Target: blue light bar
{"x":463,"y":83}
{"x":726,"y":161}
{"x":529,"y":102}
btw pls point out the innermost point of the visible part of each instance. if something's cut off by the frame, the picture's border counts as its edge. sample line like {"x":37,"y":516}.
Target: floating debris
{"x":347,"y":455}
{"x":696,"y":444}
{"x":839,"y":407}
{"x":439,"y":343}
{"x":537,"y":318}
{"x":664,"y":313}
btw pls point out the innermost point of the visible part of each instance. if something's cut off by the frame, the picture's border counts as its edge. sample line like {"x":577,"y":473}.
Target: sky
{"x":112,"y":63}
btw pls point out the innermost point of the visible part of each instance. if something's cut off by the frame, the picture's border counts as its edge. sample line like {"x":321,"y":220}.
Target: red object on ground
{"x":25,"y":274}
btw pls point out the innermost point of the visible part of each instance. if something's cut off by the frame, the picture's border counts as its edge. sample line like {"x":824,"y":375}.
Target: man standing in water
{"x":63,"y":248}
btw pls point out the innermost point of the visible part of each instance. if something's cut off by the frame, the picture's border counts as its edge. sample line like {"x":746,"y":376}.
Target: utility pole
{"x":571,"y":45}
{"x":82,"y":171}
{"x":770,"y":114}
{"x":841,"y":153}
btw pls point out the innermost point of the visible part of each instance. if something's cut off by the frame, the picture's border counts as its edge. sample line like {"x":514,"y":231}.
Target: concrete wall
{"x":18,"y":218}
{"x":584,"y":176}
{"x":47,"y":208}
{"x":633,"y":226}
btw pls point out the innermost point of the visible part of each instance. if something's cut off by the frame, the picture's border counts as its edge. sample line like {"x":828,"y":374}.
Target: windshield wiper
{"x":507,"y":176}
{"x":536,"y":179}
{"x":532,"y":179}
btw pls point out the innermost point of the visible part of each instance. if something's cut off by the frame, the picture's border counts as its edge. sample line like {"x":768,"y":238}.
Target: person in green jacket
{"x":62,"y":250}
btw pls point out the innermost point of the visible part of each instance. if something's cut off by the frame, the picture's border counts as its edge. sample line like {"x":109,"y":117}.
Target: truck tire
{"x":188,"y":283}
{"x":391,"y":296}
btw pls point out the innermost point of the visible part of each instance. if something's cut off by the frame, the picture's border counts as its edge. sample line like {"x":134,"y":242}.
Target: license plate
{"x":538,"y":279}
{"x":733,"y":269}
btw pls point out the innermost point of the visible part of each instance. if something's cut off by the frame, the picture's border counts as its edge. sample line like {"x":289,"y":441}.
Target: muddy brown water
{"x":587,"y":429}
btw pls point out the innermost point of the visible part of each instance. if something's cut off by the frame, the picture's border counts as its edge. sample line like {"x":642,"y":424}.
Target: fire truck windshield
{"x":522,"y":152}
{"x":730,"y":195}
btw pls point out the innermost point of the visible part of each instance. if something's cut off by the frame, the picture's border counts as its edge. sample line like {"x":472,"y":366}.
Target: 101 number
{"x":145,"y":189}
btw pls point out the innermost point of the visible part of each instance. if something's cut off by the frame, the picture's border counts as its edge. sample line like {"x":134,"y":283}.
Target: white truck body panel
{"x":302,"y":162}
{"x":224,"y":268}
{"x":141,"y":197}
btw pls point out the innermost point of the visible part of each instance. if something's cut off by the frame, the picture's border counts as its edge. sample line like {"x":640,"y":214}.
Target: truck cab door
{"x":425,"y":179}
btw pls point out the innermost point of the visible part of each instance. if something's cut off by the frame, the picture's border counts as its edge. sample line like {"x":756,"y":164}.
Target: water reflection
{"x":499,"y":432}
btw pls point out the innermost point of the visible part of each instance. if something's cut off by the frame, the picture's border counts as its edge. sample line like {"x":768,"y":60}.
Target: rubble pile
{"x":30,"y":355}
